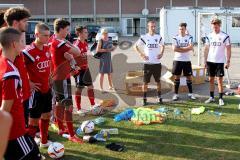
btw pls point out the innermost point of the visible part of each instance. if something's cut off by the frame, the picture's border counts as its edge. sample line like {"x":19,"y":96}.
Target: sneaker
{"x":175,"y":97}
{"x":81,"y":113}
{"x":191,"y":96}
{"x":46,"y":145}
{"x":220,"y":102}
{"x":210,"y":100}
{"x":111,"y":88}
{"x":75,"y":139}
{"x":37,"y":140}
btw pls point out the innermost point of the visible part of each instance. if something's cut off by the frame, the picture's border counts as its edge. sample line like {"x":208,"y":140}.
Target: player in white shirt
{"x":182,"y":47}
{"x":214,"y":56}
{"x":153,"y":51}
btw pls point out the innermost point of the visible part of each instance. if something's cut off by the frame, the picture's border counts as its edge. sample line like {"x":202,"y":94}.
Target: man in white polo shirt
{"x":182,"y":47}
{"x":214,"y":56}
{"x":153,"y":51}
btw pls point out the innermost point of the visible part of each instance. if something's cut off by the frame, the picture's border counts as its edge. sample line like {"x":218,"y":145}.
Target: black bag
{"x":93,"y":48}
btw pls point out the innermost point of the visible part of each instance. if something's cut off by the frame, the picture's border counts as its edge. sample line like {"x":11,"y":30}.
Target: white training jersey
{"x":180,"y":42}
{"x":217,"y":44}
{"x":152,"y":47}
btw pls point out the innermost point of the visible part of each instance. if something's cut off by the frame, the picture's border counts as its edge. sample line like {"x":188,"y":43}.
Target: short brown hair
{"x":9,"y":35}
{"x":183,"y":25}
{"x":60,"y":24}
{"x":151,"y":21}
{"x":216,"y":21}
{"x":2,"y":21}
{"x":79,"y":29}
{"x":41,"y":27}
{"x":16,"y":13}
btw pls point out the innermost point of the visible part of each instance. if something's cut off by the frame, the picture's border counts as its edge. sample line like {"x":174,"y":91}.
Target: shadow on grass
{"x":183,"y":145}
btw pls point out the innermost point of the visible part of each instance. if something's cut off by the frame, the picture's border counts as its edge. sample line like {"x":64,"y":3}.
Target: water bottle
{"x":110,"y":131}
{"x":99,"y":120}
{"x":217,"y":113}
{"x":79,"y":131}
{"x":65,"y":135}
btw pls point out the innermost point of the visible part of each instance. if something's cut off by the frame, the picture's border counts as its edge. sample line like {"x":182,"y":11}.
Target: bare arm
{"x":182,"y":49}
{"x":229,"y":53}
{"x":161,"y":52}
{"x":74,"y":50}
{"x":7,"y":105}
{"x":99,"y":47}
{"x":206,"y":50}
{"x":6,"y":122}
{"x":139,"y":51}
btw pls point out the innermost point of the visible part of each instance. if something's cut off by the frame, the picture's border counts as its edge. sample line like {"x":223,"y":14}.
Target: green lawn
{"x":203,"y":137}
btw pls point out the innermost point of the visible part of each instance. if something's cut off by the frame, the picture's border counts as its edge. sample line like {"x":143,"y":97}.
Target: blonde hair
{"x":104,"y":30}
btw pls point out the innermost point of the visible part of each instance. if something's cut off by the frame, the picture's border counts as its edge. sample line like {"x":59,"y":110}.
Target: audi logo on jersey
{"x":43,"y":65}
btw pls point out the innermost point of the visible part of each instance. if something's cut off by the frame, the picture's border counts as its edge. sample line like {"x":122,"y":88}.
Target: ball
{"x":87,"y":127}
{"x":56,"y":150}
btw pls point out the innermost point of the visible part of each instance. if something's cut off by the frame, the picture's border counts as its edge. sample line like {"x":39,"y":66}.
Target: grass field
{"x":204,"y":137}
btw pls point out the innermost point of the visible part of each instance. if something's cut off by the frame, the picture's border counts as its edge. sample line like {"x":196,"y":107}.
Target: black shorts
{"x":62,"y":90}
{"x":24,"y":148}
{"x":40,"y":103}
{"x":215,"y":69}
{"x":181,"y":66}
{"x":84,"y":78}
{"x":152,"y":70}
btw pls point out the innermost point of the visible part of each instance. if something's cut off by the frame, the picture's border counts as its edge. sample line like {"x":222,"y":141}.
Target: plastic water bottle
{"x":99,"y":120}
{"x":110,"y":131}
{"x":66,"y":135}
{"x":79,"y":131}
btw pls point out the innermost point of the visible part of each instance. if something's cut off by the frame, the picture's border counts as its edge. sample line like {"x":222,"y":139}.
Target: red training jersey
{"x":38,"y":65}
{"x":82,"y":60}
{"x":20,"y":64}
{"x":11,"y":89}
{"x":61,"y":66}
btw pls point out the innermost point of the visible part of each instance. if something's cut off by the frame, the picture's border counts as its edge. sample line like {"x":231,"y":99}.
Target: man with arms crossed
{"x":182,"y":47}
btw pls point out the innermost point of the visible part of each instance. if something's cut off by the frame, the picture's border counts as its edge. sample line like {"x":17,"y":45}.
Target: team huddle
{"x":35,"y":80}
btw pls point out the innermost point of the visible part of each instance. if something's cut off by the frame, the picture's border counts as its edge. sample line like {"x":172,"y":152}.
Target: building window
{"x":37,"y":19}
{"x":235,"y":21}
{"x":82,"y":20}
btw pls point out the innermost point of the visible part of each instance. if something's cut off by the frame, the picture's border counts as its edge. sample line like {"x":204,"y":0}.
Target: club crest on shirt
{"x":37,"y":57}
{"x":47,"y":54}
{"x":156,"y":40}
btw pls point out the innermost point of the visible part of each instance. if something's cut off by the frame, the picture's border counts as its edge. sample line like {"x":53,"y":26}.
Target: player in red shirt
{"x":83,"y":78}
{"x":37,"y":60}
{"x":63,"y":64}
{"x":20,"y":145}
{"x":17,"y":18}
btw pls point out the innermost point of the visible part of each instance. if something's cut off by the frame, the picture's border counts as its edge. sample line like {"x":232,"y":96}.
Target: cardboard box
{"x":134,"y":81}
{"x":199,"y":75}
